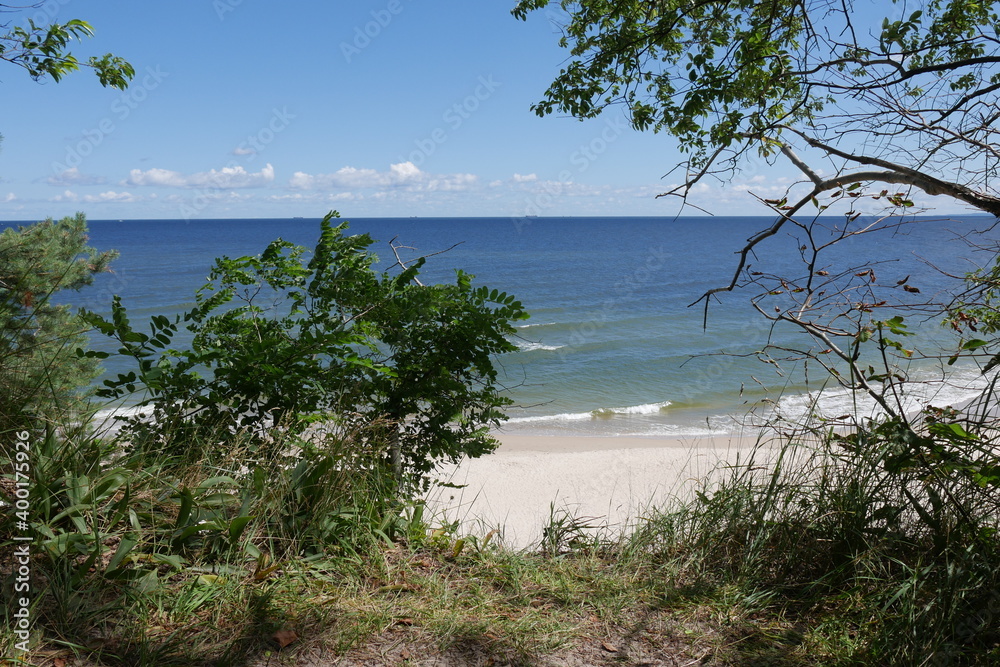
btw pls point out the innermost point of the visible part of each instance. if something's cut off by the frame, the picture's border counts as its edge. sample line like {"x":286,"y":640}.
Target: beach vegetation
{"x":279,"y":342}
{"x":810,"y":552}
{"x":292,"y":437}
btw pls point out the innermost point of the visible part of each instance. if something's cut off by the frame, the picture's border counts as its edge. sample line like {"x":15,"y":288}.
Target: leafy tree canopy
{"x":908,"y":99}
{"x":43,"y":51}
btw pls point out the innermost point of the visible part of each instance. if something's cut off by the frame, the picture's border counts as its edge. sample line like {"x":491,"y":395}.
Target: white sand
{"x":607,"y":480}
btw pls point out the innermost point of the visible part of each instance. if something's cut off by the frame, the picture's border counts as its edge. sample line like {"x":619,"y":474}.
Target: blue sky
{"x":242,"y":108}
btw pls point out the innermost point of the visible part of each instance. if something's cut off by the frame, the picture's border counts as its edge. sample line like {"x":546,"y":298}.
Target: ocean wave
{"x":600,"y":413}
{"x":644,"y":409}
{"x":957,"y":388}
{"x":569,"y":416}
{"x":536,"y":324}
{"x":108,"y":414}
{"x":529,"y":346}
{"x":584,"y":424}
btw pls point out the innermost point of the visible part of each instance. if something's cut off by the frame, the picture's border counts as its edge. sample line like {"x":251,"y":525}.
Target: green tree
{"x":43,"y":50}
{"x":40,"y":373}
{"x":280,"y":341}
{"x":906,"y":100}
{"x":871,"y":102}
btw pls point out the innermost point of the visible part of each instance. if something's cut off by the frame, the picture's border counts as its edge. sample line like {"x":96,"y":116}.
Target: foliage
{"x":39,"y":372}
{"x":42,"y":50}
{"x":279,"y":342}
{"x":115,"y":529}
{"x":907,"y":100}
{"x":909,"y":95}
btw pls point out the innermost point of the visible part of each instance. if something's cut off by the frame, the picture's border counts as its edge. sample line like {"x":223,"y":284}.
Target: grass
{"x":827,"y":551}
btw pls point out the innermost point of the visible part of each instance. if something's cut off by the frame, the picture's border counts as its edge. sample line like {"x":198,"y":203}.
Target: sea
{"x":618,"y":342}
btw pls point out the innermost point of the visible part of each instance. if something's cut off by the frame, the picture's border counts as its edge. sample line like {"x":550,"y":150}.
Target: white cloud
{"x":244,"y":150}
{"x":72,"y":176}
{"x":110,"y":196}
{"x":10,"y":197}
{"x":105,"y":197}
{"x":227,"y":177}
{"x":404,"y":175}
{"x":525,"y":178}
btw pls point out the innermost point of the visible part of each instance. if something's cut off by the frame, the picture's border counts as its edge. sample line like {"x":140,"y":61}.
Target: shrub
{"x":276,"y":340}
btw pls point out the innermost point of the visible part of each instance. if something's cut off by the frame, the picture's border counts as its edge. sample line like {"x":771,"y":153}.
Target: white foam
{"x":529,"y":346}
{"x":644,"y":409}
{"x":958,"y":387}
{"x":568,"y":416}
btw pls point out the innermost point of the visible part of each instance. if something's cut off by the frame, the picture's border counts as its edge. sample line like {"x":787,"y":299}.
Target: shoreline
{"x":567,"y":444}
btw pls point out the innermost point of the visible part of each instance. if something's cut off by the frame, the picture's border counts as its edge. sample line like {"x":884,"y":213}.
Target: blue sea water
{"x":612,"y":346}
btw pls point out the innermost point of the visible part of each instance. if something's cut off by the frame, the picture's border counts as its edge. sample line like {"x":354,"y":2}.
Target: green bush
{"x":277,"y":341}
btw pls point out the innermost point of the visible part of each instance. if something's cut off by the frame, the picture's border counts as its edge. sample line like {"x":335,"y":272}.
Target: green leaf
{"x":237,"y":526}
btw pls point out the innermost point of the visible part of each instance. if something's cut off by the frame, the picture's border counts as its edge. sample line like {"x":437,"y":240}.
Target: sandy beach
{"x":608,"y":481}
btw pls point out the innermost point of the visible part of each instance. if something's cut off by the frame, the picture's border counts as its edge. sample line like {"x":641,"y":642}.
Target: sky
{"x":245,"y":109}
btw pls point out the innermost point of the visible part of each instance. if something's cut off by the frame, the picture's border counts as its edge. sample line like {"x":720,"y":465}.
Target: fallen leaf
{"x":58,"y":662}
{"x":404,"y":621}
{"x":610,"y":648}
{"x":405,"y":654}
{"x":285,"y":637}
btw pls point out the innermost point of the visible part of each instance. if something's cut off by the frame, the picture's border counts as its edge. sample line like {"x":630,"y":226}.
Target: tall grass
{"x":117,"y":525}
{"x":903,"y":558}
